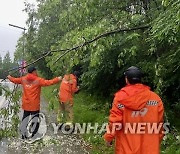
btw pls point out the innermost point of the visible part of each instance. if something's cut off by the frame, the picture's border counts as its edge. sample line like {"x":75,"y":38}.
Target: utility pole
{"x":23,"y":28}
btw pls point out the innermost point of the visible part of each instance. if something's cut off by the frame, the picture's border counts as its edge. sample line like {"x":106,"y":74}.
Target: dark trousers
{"x":29,"y":118}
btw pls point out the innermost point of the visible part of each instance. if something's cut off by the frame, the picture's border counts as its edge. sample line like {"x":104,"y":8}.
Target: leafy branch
{"x":98,"y":37}
{"x":106,"y":34}
{"x":9,"y":113}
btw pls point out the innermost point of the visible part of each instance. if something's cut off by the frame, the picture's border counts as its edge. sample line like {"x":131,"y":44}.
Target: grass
{"x":90,"y":109}
{"x":87,"y":109}
{"x":51,"y":95}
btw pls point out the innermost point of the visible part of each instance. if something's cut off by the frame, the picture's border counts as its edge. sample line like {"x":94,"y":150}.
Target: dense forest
{"x":6,"y":63}
{"x":102,"y":38}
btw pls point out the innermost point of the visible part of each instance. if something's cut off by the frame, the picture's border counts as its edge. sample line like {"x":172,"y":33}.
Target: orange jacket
{"x":67,"y":88}
{"x":31,"y":85}
{"x":135,"y":104}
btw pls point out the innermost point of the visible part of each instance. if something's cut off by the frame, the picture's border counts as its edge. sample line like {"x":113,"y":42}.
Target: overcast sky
{"x":11,"y":12}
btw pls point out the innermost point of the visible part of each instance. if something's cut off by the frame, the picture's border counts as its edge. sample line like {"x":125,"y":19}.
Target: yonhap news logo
{"x":33,"y":127}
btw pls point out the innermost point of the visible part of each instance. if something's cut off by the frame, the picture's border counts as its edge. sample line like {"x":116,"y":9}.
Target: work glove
{"x":60,"y":78}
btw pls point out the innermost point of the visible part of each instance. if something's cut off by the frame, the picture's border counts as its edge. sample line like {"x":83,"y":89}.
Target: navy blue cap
{"x":31,"y":69}
{"x":133,"y":73}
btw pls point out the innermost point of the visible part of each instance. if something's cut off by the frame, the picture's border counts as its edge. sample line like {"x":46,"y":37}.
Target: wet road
{"x":50,"y":144}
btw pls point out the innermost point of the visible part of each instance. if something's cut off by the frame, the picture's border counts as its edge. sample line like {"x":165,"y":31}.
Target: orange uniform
{"x":67,"y":88}
{"x":31,"y":90}
{"x":135,"y":104}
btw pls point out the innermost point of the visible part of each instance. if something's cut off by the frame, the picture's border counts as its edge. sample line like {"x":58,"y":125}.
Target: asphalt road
{"x":50,"y":144}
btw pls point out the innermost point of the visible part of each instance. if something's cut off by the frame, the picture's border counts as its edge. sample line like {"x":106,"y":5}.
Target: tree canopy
{"x":147,"y":35}
{"x":6,"y":63}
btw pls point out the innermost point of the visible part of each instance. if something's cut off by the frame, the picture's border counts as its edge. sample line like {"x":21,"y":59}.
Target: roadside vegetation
{"x":91,"y":109}
{"x":9,"y":119}
{"x":101,"y":39}
{"x":87,"y":109}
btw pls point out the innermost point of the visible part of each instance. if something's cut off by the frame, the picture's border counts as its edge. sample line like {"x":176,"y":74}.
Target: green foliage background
{"x":9,"y":114}
{"x":63,"y":24}
{"x":6,"y":63}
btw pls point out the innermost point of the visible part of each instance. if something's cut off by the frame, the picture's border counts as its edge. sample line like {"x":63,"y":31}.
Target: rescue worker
{"x":31,"y":85}
{"x":68,"y":88}
{"x":135,"y":105}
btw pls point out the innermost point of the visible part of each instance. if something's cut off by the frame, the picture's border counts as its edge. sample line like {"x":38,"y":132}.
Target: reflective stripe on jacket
{"x":31,"y":85}
{"x":67,"y":88}
{"x":137,"y":109}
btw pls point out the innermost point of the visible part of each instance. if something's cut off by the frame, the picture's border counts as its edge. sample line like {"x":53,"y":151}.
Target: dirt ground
{"x":50,"y":144}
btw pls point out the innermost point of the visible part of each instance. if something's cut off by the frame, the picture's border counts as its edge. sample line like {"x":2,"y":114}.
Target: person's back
{"x":140,"y":111}
{"x":140,"y":108}
{"x":31,"y":85}
{"x":67,"y":88}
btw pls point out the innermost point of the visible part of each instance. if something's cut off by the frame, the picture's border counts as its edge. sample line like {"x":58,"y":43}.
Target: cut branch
{"x":45,"y":54}
{"x":97,"y":38}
